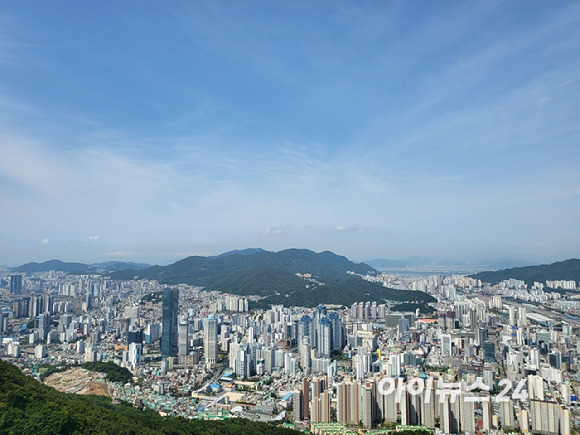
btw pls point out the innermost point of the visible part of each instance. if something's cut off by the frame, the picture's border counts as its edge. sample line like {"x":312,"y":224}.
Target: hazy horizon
{"x":435,"y":261}
{"x":150,"y":131}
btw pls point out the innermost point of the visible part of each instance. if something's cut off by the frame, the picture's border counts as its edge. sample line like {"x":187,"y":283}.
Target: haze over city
{"x":148,"y":131}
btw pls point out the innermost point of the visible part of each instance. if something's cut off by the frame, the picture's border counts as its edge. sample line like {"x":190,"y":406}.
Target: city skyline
{"x":495,"y":357}
{"x":146,"y":132}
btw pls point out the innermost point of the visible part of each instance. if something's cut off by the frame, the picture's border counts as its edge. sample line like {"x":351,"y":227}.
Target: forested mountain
{"x":29,"y":407}
{"x":52,"y":265}
{"x":562,"y":270}
{"x":208,"y":271}
{"x":273,"y":276}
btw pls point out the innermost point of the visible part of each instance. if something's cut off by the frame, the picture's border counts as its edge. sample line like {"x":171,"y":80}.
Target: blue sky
{"x":148,"y":131}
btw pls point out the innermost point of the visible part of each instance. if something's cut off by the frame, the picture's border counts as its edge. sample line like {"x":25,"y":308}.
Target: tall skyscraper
{"x":305,"y":400}
{"x":169,"y":322}
{"x":342,"y":401}
{"x":429,"y":407}
{"x":487,"y":413}
{"x":467,"y":418}
{"x":446,"y":345}
{"x":305,"y":355}
{"x":324,"y":338}
{"x":182,"y":340}
{"x":210,"y":341}
{"x":367,"y":406}
{"x":506,"y":414}
{"x":297,"y":404}
{"x":337,"y":333}
{"x":15,"y":284}
{"x":305,"y":329}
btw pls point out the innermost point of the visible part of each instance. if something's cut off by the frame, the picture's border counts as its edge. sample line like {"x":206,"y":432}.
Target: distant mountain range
{"x":81,"y":268}
{"x":412,"y":261}
{"x":568,"y":270}
{"x":420,"y":262}
{"x":247,"y":251}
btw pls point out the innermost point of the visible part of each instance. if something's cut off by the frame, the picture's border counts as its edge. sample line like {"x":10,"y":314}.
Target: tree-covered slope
{"x":345,"y":292}
{"x":263,"y":281}
{"x":29,"y":407}
{"x":562,"y":270}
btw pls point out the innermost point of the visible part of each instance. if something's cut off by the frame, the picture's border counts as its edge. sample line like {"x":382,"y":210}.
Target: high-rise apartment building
{"x":15,"y":284}
{"x":367,"y":406}
{"x":506,"y":414}
{"x":182,"y":339}
{"x":210,"y":339}
{"x":342,"y":402}
{"x":467,"y":418}
{"x":545,"y":416}
{"x":486,"y":413}
{"x":169,"y":322}
{"x":324,"y":338}
{"x":429,"y":408}
{"x":446,"y":345}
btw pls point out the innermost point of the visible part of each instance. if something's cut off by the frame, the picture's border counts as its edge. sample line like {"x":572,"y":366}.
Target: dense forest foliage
{"x":29,"y":407}
{"x":262,"y":281}
{"x":345,"y":292}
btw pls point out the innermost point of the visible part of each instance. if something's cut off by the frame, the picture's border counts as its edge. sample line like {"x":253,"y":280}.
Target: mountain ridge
{"x":74,"y":267}
{"x":206,"y":271}
{"x":560,"y":270}
{"x":417,"y":261}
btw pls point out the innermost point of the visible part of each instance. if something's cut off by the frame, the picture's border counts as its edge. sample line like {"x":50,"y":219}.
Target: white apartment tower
{"x":210,"y":339}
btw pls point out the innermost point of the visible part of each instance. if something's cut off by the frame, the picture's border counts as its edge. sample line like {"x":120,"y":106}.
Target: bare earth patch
{"x":78,"y":381}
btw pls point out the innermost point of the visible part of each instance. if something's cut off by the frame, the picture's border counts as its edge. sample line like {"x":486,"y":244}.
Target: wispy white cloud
{"x":274,"y":231}
{"x":346,"y":229}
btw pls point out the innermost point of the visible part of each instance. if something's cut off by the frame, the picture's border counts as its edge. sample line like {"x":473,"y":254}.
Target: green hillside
{"x":344,"y":292}
{"x":263,"y":281}
{"x":562,"y":270}
{"x":29,"y":407}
